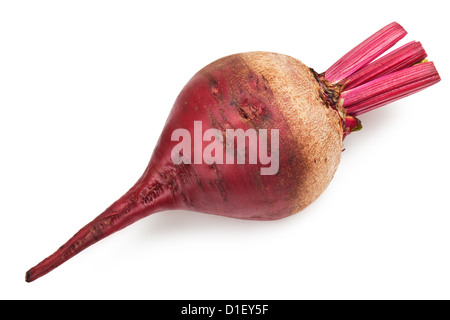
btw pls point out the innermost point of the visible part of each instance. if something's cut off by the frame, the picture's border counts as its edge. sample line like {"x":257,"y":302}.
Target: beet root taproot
{"x":256,"y":90}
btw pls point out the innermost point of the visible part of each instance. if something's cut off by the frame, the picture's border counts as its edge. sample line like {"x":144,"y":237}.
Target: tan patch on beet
{"x":316,"y":127}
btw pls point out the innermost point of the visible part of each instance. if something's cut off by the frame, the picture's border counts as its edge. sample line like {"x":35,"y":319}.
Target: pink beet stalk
{"x":365,"y":84}
{"x":365,"y":52}
{"x":389,"y":88}
{"x":403,"y":57}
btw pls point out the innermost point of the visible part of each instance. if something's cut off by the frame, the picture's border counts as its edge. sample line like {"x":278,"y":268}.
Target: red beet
{"x":258,"y":136}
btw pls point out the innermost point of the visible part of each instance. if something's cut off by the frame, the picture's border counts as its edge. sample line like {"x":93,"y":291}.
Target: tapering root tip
{"x":122,"y":213}
{"x":85,"y":237}
{"x":28,"y":277}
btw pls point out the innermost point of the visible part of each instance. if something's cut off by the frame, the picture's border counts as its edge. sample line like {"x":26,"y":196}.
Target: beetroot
{"x":259,"y":135}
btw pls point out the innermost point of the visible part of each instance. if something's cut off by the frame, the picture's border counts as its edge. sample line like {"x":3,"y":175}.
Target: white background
{"x":85,"y":89}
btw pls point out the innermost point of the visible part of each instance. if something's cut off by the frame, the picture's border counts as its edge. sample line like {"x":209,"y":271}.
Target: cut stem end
{"x":369,"y":83}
